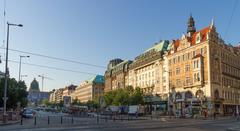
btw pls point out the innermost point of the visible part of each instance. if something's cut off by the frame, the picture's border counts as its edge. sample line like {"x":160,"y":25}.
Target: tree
{"x":109,"y":97}
{"x":16,"y":92}
{"x":137,"y":97}
{"x":121,"y":97}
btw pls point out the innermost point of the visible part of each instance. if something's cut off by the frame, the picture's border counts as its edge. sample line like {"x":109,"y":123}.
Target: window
{"x":187,"y":68}
{"x":183,"y":57}
{"x":177,"y":70}
{"x":198,"y":38}
{"x":179,"y":58}
{"x":194,"y":53}
{"x":188,"y":56}
{"x":178,"y":82}
{"x":170,"y":72}
{"x":196,"y":77}
{"x":164,"y":88}
{"x":164,"y":79}
{"x":196,"y":64}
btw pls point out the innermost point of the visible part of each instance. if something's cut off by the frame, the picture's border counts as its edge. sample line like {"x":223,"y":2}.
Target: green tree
{"x":137,"y":97}
{"x":16,"y":92}
{"x":121,"y":97}
{"x":109,"y":97}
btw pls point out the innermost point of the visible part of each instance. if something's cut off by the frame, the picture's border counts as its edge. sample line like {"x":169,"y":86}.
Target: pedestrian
{"x":205,"y":114}
{"x":214,"y":115}
{"x":238,"y":117}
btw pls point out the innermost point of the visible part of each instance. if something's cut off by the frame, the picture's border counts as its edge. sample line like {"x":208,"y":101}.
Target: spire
{"x":191,"y":26}
{"x":212,"y":24}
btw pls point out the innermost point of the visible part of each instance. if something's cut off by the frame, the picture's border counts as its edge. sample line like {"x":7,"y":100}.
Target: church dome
{"x":34,"y":86}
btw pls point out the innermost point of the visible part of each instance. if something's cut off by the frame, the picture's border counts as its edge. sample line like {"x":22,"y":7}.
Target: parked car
{"x":28,"y":114}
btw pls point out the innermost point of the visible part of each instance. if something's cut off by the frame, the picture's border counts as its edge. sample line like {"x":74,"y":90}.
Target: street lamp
{"x":20,"y":63}
{"x":7,"y":73}
{"x":169,"y":92}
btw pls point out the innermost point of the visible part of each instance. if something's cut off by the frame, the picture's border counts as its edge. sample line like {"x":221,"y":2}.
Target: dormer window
{"x":198,"y":40}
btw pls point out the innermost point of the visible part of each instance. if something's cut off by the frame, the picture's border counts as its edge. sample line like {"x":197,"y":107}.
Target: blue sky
{"x":95,"y":31}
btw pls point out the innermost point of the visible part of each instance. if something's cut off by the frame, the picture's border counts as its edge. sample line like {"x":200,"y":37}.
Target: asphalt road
{"x":90,"y":124}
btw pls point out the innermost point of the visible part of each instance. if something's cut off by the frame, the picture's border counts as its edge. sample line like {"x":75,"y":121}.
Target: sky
{"x":96,"y":31}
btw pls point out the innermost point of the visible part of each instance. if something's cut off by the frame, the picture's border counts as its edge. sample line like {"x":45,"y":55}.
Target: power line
{"x":55,"y":58}
{"x":55,"y":68}
{"x":231,"y":17}
{"x":4,"y":20}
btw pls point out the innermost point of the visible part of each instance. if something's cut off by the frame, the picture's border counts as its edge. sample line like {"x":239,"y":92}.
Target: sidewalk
{"x":9,"y":123}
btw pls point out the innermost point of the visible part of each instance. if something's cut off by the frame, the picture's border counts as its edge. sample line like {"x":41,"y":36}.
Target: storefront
{"x":155,"y":104}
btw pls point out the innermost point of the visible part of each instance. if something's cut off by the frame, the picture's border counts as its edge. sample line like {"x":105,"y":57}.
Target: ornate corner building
{"x":204,"y":71}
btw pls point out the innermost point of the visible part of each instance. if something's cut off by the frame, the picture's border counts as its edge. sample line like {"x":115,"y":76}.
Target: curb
{"x":9,"y":123}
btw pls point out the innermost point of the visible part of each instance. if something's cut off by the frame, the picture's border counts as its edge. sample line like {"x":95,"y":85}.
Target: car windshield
{"x":28,"y":112}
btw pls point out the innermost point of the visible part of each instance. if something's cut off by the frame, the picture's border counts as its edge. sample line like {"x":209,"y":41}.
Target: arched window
{"x":178,"y":95}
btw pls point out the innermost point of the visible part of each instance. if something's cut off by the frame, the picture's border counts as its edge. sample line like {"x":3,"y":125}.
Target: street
{"x":90,"y":124}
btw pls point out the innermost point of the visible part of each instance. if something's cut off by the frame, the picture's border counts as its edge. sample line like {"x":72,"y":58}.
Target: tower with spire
{"x":191,"y":26}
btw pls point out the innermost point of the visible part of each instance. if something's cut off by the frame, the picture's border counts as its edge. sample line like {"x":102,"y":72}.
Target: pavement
{"x":134,"y":124}
{"x":10,"y":123}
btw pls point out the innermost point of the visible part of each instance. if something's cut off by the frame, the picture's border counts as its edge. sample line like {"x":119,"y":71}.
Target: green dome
{"x":34,"y":86}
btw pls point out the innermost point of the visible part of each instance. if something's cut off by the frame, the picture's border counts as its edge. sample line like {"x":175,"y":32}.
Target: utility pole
{"x":44,"y":77}
{"x":20,"y":64}
{"x":7,"y":74}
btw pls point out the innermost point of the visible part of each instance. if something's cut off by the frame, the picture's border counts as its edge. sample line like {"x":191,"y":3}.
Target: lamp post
{"x":20,"y":64}
{"x":7,"y":73}
{"x":169,"y":91}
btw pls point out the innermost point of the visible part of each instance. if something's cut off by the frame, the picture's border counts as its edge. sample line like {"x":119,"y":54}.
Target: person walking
{"x":214,"y":115}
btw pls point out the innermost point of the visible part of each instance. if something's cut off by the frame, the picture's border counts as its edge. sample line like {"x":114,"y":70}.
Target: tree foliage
{"x":124,"y":96}
{"x":16,"y":92}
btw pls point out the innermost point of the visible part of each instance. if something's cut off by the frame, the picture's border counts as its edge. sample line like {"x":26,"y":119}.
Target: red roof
{"x":203,"y":32}
{"x":193,"y":38}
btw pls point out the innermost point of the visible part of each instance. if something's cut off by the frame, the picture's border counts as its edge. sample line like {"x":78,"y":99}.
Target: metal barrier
{"x":90,"y":118}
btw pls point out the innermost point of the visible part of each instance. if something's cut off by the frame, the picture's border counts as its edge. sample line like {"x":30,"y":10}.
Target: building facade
{"x":69,"y":90}
{"x":116,"y":75}
{"x":147,"y":68}
{"x":35,"y":96}
{"x":58,"y":95}
{"x":203,"y":72}
{"x":90,"y":89}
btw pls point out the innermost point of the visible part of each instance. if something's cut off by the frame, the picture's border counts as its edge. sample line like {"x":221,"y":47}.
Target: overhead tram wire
{"x":56,"y":58}
{"x":4,"y":21}
{"x":54,"y":68}
{"x":231,"y":17}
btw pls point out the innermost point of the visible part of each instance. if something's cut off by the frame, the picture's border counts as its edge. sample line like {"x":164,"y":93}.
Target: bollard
{"x":35,"y":120}
{"x":121,"y":118}
{"x":106,"y":119}
{"x":48,"y":120}
{"x":21,"y":120}
{"x":97,"y":119}
{"x":61,"y":119}
{"x":72,"y":120}
{"x":114,"y":118}
{"x":128,"y":117}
